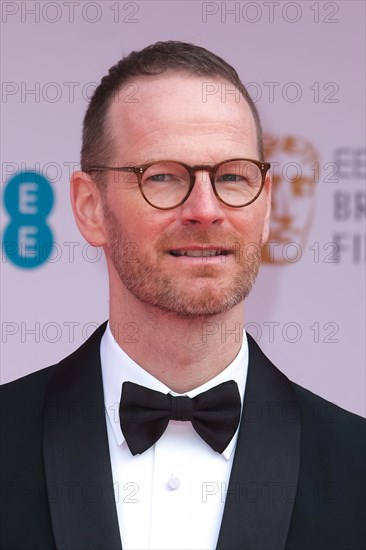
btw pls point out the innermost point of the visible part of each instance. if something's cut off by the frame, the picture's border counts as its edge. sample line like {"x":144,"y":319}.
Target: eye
{"x":169,"y":178}
{"x":160,"y":177}
{"x":230,"y":178}
{"x":243,"y":173}
{"x":165,"y":172}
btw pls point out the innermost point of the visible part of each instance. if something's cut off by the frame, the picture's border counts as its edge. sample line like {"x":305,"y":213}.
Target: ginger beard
{"x":147,"y":281}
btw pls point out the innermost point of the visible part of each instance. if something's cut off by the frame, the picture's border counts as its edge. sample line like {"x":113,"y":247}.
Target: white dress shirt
{"x":171,"y":496}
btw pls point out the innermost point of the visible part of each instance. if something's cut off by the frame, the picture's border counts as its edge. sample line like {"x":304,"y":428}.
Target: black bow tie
{"x":145,"y":413}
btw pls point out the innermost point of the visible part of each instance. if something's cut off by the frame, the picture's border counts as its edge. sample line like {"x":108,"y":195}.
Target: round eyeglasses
{"x":166,"y":184}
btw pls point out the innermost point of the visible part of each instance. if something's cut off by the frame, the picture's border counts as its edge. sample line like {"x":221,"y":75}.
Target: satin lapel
{"x":265,"y":470}
{"x":76,"y":454}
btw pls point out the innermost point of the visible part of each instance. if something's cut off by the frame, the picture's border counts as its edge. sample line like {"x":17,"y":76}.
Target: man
{"x":175,"y":189}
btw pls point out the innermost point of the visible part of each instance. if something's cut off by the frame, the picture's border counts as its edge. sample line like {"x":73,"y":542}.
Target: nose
{"x":202,"y":206}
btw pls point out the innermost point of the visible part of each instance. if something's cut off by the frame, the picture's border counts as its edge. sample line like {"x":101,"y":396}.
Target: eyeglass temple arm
{"x":113,"y":168}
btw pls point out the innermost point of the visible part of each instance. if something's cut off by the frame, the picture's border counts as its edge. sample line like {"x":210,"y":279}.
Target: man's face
{"x":171,"y":121}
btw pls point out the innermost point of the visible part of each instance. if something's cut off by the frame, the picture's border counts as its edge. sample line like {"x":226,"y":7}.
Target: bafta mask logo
{"x":295,"y":172}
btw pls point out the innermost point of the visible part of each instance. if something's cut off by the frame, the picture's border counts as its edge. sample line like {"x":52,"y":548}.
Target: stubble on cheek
{"x":206,"y":292}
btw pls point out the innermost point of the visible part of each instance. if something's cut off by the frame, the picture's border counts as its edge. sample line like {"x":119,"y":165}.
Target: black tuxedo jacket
{"x":297,"y":481}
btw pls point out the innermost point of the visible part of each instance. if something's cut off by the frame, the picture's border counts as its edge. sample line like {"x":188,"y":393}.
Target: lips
{"x":200,"y":252}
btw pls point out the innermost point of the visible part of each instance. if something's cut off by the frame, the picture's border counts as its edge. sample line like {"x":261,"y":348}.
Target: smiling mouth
{"x":201,"y":253}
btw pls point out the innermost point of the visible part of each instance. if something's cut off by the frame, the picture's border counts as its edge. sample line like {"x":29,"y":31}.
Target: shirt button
{"x":173,"y":483}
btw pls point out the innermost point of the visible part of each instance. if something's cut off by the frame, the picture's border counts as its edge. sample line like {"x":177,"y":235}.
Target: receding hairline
{"x":182,"y":72}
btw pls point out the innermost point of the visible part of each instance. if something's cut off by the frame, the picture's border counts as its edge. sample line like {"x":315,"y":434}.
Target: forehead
{"x":177,"y":109}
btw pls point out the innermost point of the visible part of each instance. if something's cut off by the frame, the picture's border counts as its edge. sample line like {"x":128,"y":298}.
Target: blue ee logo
{"x":28,"y":240}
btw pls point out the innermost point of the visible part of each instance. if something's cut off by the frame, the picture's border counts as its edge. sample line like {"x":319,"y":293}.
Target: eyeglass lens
{"x":165,"y":184}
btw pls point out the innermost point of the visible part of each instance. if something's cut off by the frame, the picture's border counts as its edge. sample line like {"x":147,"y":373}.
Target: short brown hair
{"x":97,"y":146}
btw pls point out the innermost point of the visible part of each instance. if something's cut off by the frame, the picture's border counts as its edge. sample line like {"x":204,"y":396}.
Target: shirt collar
{"x":118,"y":367}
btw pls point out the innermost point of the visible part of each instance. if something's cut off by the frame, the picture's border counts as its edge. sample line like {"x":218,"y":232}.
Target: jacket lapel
{"x":76,"y":456}
{"x":265,"y":470}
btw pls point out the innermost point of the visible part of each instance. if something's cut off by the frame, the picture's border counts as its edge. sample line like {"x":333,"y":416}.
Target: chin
{"x":206,"y":301}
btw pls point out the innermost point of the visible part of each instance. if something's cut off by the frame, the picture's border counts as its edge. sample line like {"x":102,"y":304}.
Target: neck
{"x":181,"y":353}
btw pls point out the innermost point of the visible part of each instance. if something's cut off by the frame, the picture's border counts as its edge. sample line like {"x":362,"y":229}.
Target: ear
{"x":268,"y":194}
{"x":86,"y":201}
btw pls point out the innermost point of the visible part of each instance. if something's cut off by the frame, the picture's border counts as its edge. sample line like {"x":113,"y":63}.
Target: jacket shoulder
{"x":21,"y":400}
{"x":318,"y":410}
{"x":36,"y":382}
{"x":27,"y":386}
{"x":332,"y":435}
